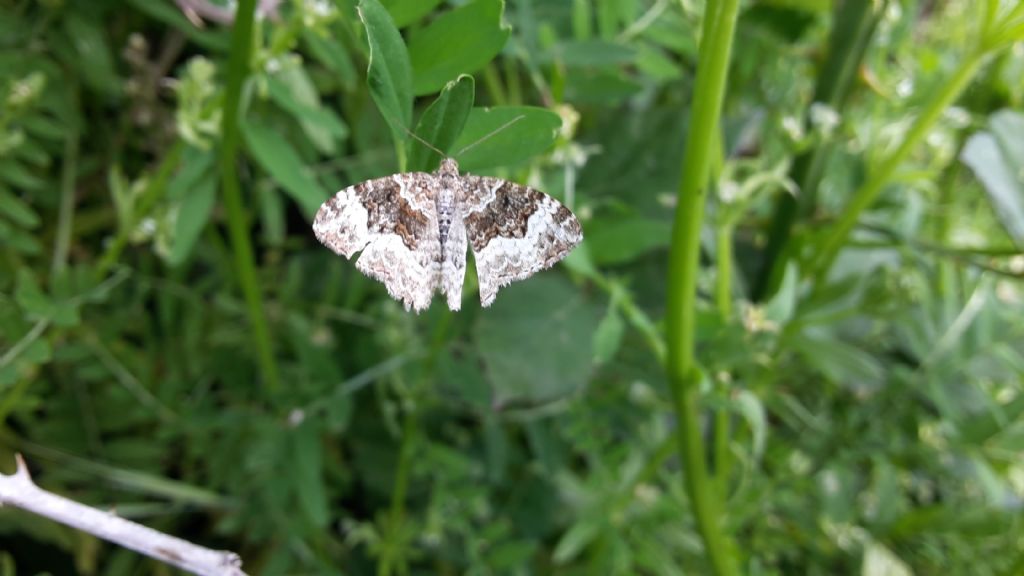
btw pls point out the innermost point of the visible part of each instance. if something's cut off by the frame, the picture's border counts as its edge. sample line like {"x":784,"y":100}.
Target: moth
{"x":414,"y":229}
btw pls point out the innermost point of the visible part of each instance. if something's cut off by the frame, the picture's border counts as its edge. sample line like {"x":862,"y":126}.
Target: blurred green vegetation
{"x":174,"y":343}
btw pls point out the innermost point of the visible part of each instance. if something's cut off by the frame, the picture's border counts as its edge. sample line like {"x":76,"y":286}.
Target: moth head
{"x":449,"y":167}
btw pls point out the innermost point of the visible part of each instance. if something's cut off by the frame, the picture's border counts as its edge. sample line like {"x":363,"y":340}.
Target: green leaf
{"x":536,"y":340}
{"x":38,"y":352}
{"x":292,"y":89}
{"x":308,"y":481}
{"x":525,"y":132}
{"x":193,"y":214}
{"x":17,"y":176}
{"x":273,"y":152}
{"x":608,"y":337}
{"x":752,"y":410}
{"x":405,"y":12}
{"x":458,"y":42}
{"x":604,"y":86}
{"x":389,"y":74}
{"x":441,"y":124}
{"x":65,"y":314}
{"x":31,"y":299}
{"x":194,"y":164}
{"x":880,"y":561}
{"x":621,"y":240}
{"x":272,"y":215}
{"x":333,"y":55}
{"x":843,"y":363}
{"x":653,"y":62}
{"x":782,"y":306}
{"x":463,"y":379}
{"x":91,"y":54}
{"x":507,"y":557}
{"x":997,"y":160}
{"x":17,"y":210}
{"x":574,"y":541}
{"x":591,"y":53}
{"x":21,"y":241}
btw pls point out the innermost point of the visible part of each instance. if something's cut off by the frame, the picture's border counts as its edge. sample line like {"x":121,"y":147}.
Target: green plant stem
{"x":946,"y":271}
{"x":401,"y":487}
{"x":683,"y":373}
{"x":396,"y":537}
{"x":492,"y":80}
{"x":723,"y":457}
{"x":723,"y":271}
{"x":869,"y":192}
{"x":69,"y":175}
{"x":238,"y":70}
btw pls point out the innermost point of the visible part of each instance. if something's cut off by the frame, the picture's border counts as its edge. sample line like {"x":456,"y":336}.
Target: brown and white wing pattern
{"x":394,"y":221}
{"x":515,"y":231}
{"x":453,"y":267}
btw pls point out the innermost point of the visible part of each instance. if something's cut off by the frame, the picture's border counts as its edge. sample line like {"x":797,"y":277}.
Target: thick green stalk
{"x":238,"y":70}
{"x":683,"y":374}
{"x":869,"y":192}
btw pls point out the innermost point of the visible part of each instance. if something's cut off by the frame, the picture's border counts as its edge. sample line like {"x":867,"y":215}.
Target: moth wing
{"x":393,"y":220}
{"x":515,"y":231}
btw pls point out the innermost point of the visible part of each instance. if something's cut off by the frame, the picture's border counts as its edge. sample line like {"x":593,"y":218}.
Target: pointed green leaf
{"x":752,"y":410}
{"x":458,"y":42}
{"x":31,"y":299}
{"x":575,"y":540}
{"x":272,"y":215}
{"x":997,"y":160}
{"x":65,"y":314}
{"x":608,"y":337}
{"x":194,"y":164}
{"x":389,"y":74}
{"x":193,"y":214}
{"x":91,"y":53}
{"x":17,"y":210}
{"x":273,"y":152}
{"x":307,"y":451}
{"x":441,"y":124}
{"x":293,"y":90}
{"x":329,"y":52}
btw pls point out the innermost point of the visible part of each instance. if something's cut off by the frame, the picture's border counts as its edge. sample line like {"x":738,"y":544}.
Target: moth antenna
{"x":492,"y":133}
{"x":424,"y":142}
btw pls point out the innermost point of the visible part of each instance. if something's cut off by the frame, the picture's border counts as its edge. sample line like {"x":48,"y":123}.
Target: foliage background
{"x":202,"y":365}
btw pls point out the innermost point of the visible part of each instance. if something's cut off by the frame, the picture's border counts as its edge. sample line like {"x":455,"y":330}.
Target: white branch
{"x":19,"y":491}
{"x":197,"y":10}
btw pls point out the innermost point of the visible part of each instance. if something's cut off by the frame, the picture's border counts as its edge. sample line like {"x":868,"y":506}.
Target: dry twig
{"x":19,"y":491}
